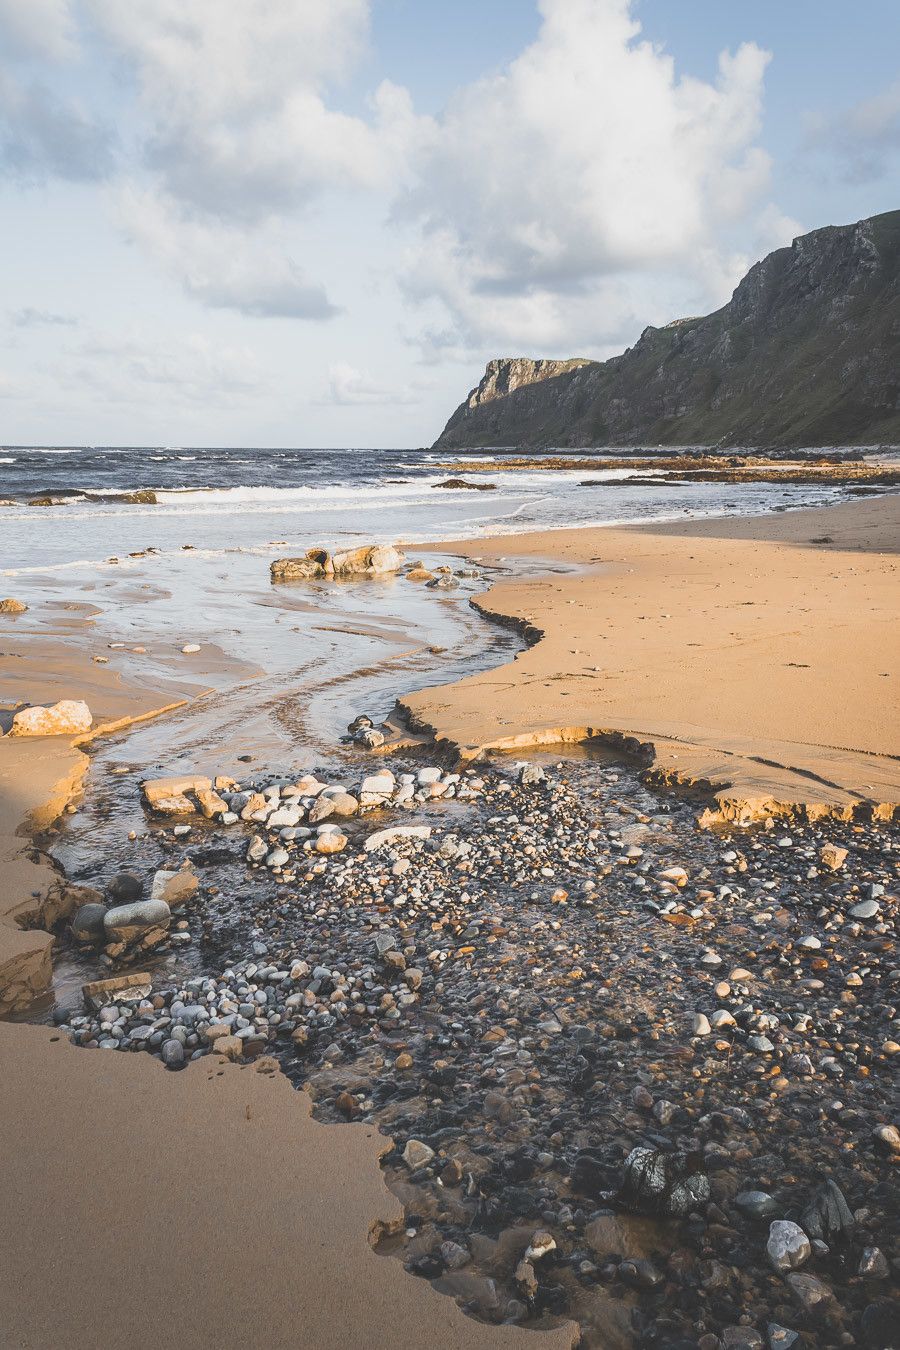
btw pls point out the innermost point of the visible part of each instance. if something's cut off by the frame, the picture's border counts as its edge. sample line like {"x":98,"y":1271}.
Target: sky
{"x":312,"y":222}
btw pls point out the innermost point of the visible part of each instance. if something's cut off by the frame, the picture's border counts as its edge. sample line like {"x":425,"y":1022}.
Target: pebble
{"x":788,"y":1246}
{"x":508,"y":990}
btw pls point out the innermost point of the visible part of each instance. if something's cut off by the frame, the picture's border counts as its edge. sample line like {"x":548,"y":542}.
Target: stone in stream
{"x":124,"y":888}
{"x":377,"y":788}
{"x":68,"y":717}
{"x":123,"y":923}
{"x":395,"y":834}
{"x":663,"y":1183}
{"x":416,"y":1154}
{"x":813,"y":1295}
{"x":833,"y":857}
{"x":130,"y":988}
{"x":210,"y":803}
{"x":161,"y":794}
{"x":174,"y":888}
{"x":12,"y":606}
{"x":781,"y":1338}
{"x":371,"y":738}
{"x":87,"y":923}
{"x":257,"y":849}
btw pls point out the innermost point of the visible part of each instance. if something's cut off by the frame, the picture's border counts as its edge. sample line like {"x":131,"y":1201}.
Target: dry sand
{"x":755,"y":658}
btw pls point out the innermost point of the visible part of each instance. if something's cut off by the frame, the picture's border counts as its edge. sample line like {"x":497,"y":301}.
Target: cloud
{"x":43,"y":136}
{"x":191,"y":369}
{"x":222,"y":266}
{"x":237,"y":126}
{"x":43,"y":28}
{"x":38,"y":318}
{"x":349,"y":387}
{"x":862,"y":139}
{"x":553,"y":189}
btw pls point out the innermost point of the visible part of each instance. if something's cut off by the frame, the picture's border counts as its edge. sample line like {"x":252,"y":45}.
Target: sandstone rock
{"x":832,"y":856}
{"x":416,"y":1154}
{"x":369,"y":561}
{"x":174,"y":888}
{"x":159,"y":793}
{"x":11,"y":606}
{"x":69,"y":717}
{"x":131,"y":988}
{"x":211,"y":804}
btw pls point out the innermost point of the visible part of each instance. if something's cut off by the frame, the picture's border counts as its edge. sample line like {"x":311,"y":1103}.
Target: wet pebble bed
{"x":613,"y":1053}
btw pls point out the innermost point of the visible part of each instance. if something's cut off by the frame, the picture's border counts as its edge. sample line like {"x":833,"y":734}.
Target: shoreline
{"x":130,"y":1104}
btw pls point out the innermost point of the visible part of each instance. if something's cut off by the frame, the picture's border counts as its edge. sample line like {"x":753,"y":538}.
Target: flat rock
{"x":393,"y":834}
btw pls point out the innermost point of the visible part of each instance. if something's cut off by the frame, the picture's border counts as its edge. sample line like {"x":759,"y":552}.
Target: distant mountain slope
{"x":806,"y":352}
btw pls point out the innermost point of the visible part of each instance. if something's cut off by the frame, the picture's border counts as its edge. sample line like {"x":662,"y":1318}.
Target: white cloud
{"x":587,"y":163}
{"x":349,"y":387}
{"x":863,"y":138}
{"x":234,"y":97}
{"x":222,"y":266}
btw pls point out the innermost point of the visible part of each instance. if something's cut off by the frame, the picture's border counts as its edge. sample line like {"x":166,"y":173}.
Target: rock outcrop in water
{"x":806,"y":352}
{"x":370,"y":561}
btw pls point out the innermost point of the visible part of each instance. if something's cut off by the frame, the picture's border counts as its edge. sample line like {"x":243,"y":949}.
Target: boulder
{"x":124,"y":923}
{"x":124,"y":888}
{"x":174,"y":888}
{"x":161,"y":793}
{"x":371,"y":560}
{"x":87,"y":923}
{"x":377,"y":788}
{"x":69,"y":717}
{"x":11,"y":606}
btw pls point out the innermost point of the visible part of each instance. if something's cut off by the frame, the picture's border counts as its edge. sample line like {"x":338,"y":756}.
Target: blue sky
{"x":310,"y":222}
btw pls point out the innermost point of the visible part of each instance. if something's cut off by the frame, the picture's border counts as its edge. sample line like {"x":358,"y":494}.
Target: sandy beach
{"x":756,"y":657}
{"x":754,"y":663}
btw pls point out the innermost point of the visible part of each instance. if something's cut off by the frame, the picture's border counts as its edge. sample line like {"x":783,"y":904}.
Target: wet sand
{"x":755,"y":658}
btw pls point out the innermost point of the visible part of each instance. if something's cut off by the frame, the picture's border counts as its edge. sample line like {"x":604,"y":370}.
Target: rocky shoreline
{"x":634,"y":1074}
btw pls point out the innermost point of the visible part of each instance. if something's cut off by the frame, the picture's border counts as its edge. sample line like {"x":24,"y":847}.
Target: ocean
{"x":220,"y":499}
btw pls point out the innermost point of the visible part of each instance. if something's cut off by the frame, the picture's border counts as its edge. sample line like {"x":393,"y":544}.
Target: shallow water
{"x":221,"y":499}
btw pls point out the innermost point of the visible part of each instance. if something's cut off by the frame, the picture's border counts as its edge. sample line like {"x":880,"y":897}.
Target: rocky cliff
{"x":806,"y":352}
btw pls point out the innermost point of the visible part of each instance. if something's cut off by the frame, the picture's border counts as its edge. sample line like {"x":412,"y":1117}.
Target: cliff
{"x":806,"y":352}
